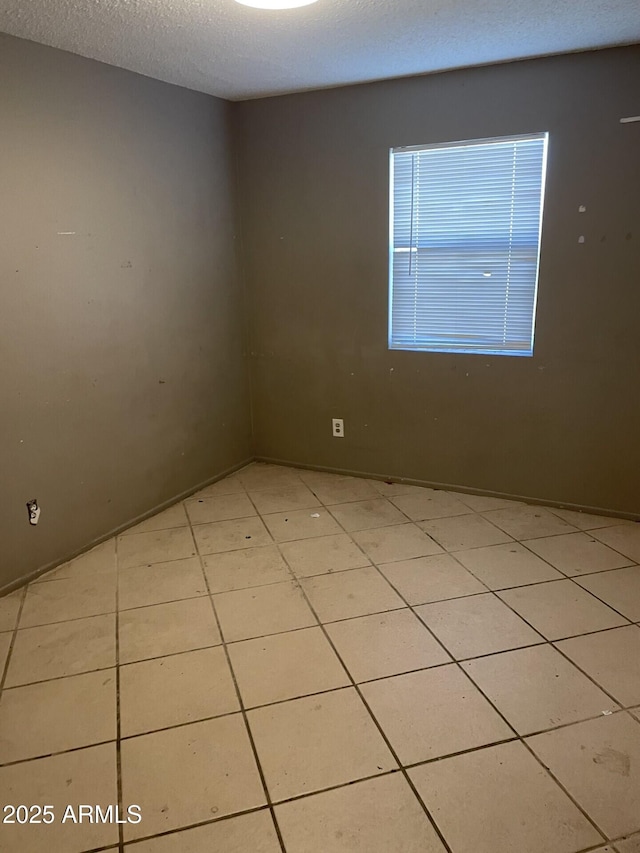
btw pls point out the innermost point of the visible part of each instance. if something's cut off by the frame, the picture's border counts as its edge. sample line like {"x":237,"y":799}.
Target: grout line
{"x":381,"y":566}
{"x":243,"y":711}
{"x":563,"y":788}
{"x":304,"y":578}
{"x":162,"y":603}
{"x":13,"y":631}
{"x":12,"y":641}
{"x":72,"y":619}
{"x":497,"y":710}
{"x":71,"y":749}
{"x":553,"y":646}
{"x":305,"y":628}
{"x":169,"y":832}
{"x":524,"y":544}
{"x":410,"y":765}
{"x":523,"y":740}
{"x":383,"y":735}
{"x":591,"y":849}
{"x":133,"y":532}
{"x":118,"y":706}
{"x":602,"y":601}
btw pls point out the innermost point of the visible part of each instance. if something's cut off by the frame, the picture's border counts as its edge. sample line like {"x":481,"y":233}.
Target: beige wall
{"x":562,"y":426}
{"x":123,"y":379}
{"x":122,"y":375}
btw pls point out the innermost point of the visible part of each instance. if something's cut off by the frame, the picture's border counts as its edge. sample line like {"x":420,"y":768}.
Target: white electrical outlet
{"x":338,"y":427}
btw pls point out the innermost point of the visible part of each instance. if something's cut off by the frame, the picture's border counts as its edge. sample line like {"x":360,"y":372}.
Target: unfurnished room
{"x":319,"y":426}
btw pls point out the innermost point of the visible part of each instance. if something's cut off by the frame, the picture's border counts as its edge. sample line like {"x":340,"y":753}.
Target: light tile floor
{"x":297,"y":661}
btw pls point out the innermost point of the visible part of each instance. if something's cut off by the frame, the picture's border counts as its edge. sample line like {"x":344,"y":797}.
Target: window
{"x":465,"y":243}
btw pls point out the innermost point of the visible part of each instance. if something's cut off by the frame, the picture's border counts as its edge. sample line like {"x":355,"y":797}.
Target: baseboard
{"x":594,"y":510}
{"x":25,"y":579}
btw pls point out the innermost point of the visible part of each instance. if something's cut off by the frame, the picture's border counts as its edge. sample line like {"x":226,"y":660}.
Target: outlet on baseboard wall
{"x":338,"y":427}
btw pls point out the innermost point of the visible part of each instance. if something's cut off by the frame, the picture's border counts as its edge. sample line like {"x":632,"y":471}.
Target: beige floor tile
{"x":285,"y":666}
{"x":219,"y":508}
{"x":598,"y":762}
{"x":83,"y":776}
{"x":624,"y":538}
{"x":432,"y":713}
{"x":619,"y":589}
{"x":629,"y":845}
{"x":376,"y":816}
{"x":175,"y":516}
{"x":66,"y":648}
{"x":301,"y":524}
{"x":263,"y":476}
{"x":284,"y":499}
{"x":385,"y":644}
{"x":165,"y":629}
{"x":160,"y":582}
{"x":389,"y":488}
{"x":323,"y":555}
{"x":245,"y":568}
{"x":612,"y":658}
{"x":477,"y":625}
{"x":528,"y":522}
{"x":54,"y":716}
{"x":400,"y":542}
{"x":313,"y":743}
{"x":232,"y":535}
{"x":504,"y":566}
{"x":483,"y":503}
{"x":537,"y":688}
{"x":169,"y":691}
{"x":499,"y":800}
{"x":189,"y":774}
{"x":429,"y":503}
{"x":9,"y":609}
{"x":464,"y":531}
{"x":560,"y":609}
{"x":585,"y":520}
{"x":319,"y":478}
{"x":261,"y":610}
{"x":157,"y":546}
{"x":99,"y":560}
{"x":249,"y":833}
{"x":346,"y":594}
{"x":434,"y":578}
{"x":363,"y":515}
{"x":5,"y":643}
{"x":343,"y":489}
{"x":230,"y":485}
{"x":72,"y":598}
{"x":577,"y":553}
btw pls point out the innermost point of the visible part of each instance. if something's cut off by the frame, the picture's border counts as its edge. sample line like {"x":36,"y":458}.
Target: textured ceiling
{"x":225,"y":49}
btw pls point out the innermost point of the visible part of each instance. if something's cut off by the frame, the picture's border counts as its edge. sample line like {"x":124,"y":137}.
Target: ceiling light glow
{"x":276,"y":4}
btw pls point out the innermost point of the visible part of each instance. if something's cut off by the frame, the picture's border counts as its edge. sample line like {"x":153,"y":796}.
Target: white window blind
{"x":466,"y":220}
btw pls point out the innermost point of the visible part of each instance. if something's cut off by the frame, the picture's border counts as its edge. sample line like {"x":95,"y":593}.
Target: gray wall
{"x":122,"y":376}
{"x":561,"y":426}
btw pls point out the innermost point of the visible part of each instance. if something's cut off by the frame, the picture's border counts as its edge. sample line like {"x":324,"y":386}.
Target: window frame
{"x":461,"y":350}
